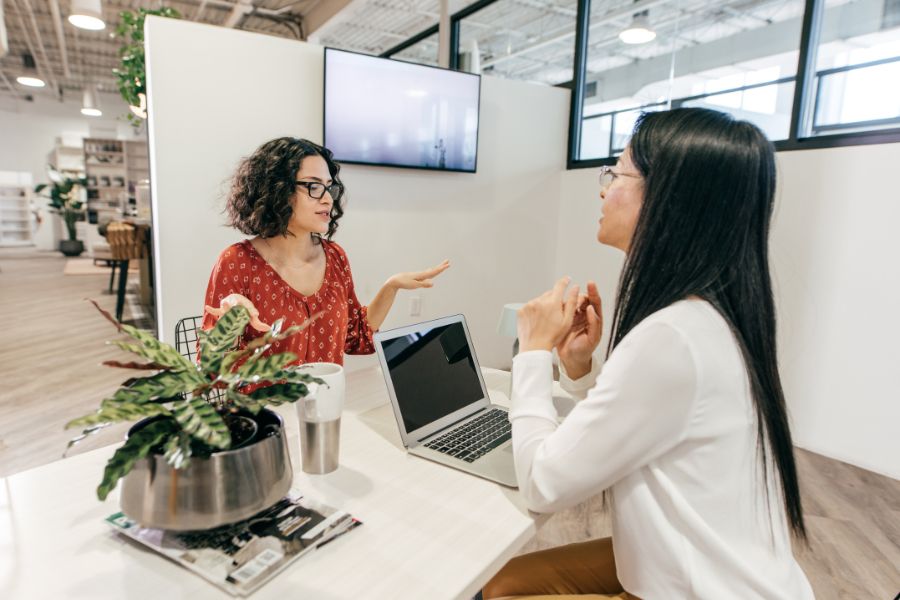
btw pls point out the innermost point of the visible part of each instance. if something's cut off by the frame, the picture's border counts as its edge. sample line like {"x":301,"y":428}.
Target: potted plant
{"x":207,"y":451}
{"x":130,"y":75}
{"x":65,"y":200}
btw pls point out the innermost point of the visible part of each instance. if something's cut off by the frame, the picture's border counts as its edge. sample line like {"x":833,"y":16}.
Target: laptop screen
{"x":433,"y":373}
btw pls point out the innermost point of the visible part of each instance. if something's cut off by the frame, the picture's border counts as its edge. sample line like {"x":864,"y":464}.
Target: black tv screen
{"x":392,"y":113}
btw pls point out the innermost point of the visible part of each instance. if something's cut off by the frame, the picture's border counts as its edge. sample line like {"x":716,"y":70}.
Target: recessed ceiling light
{"x":92,"y":112}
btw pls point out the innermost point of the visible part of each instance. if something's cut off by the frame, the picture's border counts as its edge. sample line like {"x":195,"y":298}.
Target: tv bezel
{"x":377,"y":164}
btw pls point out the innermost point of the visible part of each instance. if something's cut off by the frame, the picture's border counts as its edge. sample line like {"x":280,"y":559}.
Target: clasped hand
{"x":571,"y":323}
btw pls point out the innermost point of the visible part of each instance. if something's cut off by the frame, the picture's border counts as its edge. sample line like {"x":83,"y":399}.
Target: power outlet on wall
{"x":415,"y":306}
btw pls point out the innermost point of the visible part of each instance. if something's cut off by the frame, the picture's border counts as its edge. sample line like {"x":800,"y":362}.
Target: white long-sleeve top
{"x":668,"y":425}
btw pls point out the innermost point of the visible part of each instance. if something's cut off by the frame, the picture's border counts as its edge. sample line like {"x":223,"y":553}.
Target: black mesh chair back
{"x":187,"y":334}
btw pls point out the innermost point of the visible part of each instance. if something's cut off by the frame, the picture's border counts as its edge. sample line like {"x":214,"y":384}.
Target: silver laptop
{"x":440,"y":400}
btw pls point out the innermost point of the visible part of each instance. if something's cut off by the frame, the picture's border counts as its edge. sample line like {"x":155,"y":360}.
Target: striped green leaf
{"x":244,"y":401}
{"x":178,"y":450}
{"x":295,"y":376}
{"x":136,"y":447}
{"x":200,"y":419}
{"x":222,"y":337}
{"x":115,"y":411}
{"x":165,"y":385}
{"x":156,"y":351}
{"x":84,"y":434}
{"x":264,"y":367}
{"x":162,"y":354}
{"x":280,"y":393}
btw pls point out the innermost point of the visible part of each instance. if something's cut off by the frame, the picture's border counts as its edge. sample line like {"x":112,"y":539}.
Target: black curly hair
{"x":259,"y":202}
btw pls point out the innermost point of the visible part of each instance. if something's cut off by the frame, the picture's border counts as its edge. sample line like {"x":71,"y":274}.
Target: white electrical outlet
{"x":415,"y":306}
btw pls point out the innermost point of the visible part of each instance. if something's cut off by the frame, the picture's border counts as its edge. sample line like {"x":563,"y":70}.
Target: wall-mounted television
{"x":387,"y":112}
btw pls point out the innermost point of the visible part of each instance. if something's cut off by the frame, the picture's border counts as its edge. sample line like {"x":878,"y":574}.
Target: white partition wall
{"x":835,"y":252}
{"x":837,"y":287}
{"x":216,"y":94}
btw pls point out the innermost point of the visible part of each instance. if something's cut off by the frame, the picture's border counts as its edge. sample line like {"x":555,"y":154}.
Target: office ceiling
{"x":524,"y":39}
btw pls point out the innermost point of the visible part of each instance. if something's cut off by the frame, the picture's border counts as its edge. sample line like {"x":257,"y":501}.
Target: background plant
{"x":65,"y":197}
{"x":179,"y":392}
{"x":131,"y":74}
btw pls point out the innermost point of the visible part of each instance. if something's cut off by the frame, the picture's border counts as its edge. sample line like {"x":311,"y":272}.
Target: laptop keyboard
{"x":476,"y":438}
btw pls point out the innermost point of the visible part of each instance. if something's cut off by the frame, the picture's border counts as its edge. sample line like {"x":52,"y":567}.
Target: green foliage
{"x":176,"y":391}
{"x":131,"y":73}
{"x":136,"y":447}
{"x":65,"y":197}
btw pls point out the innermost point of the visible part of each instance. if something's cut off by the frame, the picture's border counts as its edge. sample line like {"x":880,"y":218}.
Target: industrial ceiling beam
{"x":60,"y":36}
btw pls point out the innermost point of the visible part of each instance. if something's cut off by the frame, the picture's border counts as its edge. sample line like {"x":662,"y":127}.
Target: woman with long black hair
{"x":684,"y":427}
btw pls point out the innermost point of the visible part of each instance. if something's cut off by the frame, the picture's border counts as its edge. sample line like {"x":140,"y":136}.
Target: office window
{"x":737,"y":57}
{"x":857,"y":68}
{"x":531,"y":41}
{"x":424,"y":52}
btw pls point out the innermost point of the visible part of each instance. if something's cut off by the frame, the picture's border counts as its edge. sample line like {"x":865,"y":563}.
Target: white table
{"x":429,"y":531}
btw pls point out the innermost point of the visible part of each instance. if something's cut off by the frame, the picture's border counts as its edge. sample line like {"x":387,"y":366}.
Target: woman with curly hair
{"x":287,"y":195}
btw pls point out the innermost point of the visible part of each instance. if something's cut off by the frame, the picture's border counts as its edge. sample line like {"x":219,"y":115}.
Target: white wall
{"x":28,"y":131}
{"x":216,"y":94}
{"x":837,"y":285}
{"x":835,"y":255}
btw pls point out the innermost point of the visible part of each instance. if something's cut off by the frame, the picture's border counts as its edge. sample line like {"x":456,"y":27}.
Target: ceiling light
{"x":31,"y":81}
{"x":30,"y":76}
{"x":87,"y":14}
{"x":639,"y":32}
{"x":90,"y":107}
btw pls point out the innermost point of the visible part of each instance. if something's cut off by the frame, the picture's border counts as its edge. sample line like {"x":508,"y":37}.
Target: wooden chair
{"x":126,"y":242}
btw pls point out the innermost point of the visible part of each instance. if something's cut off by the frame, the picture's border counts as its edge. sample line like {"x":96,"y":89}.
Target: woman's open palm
{"x":418,"y":279}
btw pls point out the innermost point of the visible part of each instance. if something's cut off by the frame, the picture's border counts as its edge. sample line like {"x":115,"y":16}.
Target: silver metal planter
{"x":224,"y":488}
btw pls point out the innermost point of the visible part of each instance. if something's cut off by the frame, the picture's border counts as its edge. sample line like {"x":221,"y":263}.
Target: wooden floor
{"x":53,"y":343}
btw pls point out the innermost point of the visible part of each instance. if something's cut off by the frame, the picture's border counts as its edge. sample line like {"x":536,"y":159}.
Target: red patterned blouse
{"x":344,"y":328}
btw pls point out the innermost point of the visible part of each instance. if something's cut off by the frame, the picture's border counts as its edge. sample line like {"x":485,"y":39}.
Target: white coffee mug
{"x":325,"y":401}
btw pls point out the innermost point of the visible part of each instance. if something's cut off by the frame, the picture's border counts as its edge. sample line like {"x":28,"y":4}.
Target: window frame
{"x":804,"y":105}
{"x":803,"y":108}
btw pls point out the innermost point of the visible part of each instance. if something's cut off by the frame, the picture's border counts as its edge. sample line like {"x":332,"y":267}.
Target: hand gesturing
{"x":412,"y":280}
{"x":578,"y":345}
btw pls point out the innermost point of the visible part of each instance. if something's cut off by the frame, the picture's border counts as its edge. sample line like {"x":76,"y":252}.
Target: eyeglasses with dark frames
{"x":316,"y":190}
{"x":607,"y":176}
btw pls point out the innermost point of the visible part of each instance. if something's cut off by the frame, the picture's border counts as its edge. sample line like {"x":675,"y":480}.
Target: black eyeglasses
{"x":316,"y":190}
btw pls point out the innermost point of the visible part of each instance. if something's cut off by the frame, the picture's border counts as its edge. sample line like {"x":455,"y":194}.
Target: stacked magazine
{"x":241,"y":557}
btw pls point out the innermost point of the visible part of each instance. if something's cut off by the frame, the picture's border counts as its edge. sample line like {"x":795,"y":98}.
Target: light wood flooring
{"x":53,"y":343}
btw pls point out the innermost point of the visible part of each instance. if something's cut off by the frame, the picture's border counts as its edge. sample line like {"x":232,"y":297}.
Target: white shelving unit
{"x":114,"y":169}
{"x":68,"y":160}
{"x":15,"y":209}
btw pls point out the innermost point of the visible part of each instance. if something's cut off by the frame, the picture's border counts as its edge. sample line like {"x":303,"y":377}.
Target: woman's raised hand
{"x":577,"y":346}
{"x":544,"y":322}
{"x":417,"y":279}
{"x":235,"y":300}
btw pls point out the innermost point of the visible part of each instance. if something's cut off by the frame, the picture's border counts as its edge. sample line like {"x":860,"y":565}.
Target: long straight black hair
{"x":703,"y":230}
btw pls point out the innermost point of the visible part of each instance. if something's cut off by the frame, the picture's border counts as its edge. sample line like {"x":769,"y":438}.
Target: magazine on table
{"x":241,"y":557}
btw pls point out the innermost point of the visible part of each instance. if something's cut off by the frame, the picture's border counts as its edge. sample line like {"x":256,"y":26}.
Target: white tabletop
{"x":429,"y":531}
